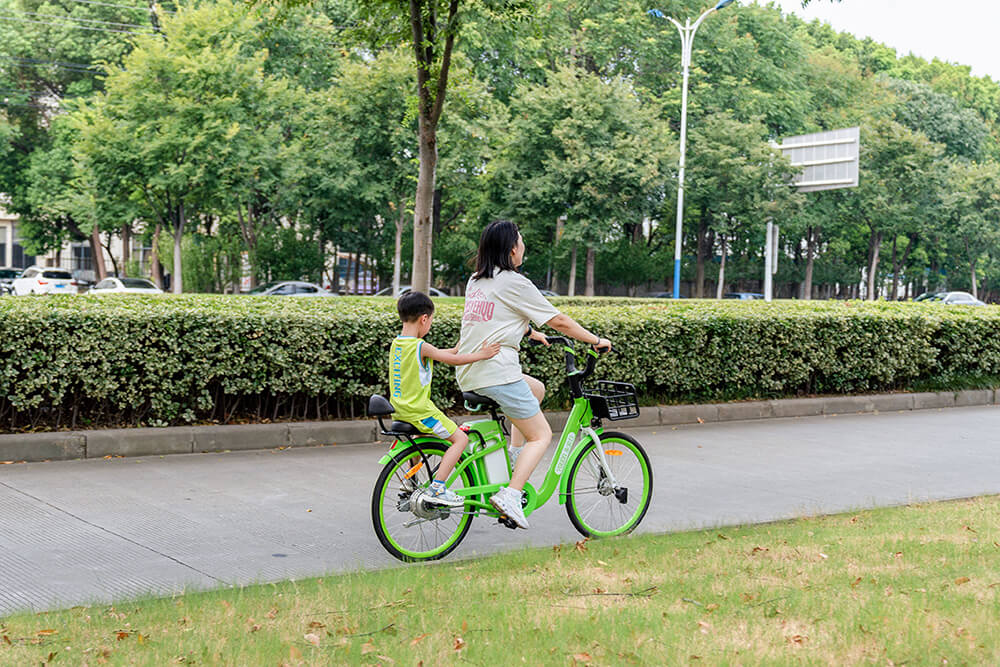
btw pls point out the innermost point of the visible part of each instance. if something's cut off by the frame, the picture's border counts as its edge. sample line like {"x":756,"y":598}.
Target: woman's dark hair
{"x":412,"y":305}
{"x":495,"y":244}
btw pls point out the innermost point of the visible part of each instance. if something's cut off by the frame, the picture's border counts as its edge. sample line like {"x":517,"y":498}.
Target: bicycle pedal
{"x":505,"y":520}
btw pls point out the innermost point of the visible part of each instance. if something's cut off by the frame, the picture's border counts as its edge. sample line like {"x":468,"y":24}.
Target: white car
{"x":955,"y":299}
{"x":39,"y":280}
{"x":125,"y":286}
{"x":403,"y":289}
{"x":290,"y":288}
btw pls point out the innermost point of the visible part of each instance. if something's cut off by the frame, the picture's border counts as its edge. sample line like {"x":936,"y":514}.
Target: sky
{"x":962,"y":31}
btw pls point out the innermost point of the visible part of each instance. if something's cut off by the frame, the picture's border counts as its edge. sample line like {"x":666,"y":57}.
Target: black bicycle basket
{"x":613,"y":400}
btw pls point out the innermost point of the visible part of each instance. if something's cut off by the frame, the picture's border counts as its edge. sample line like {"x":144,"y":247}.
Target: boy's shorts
{"x":437,"y":424}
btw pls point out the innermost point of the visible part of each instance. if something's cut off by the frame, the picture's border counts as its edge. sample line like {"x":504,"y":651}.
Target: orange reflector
{"x":613,"y":452}
{"x":413,"y":470}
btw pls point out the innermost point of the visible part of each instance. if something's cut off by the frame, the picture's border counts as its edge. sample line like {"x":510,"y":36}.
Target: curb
{"x":70,"y":445}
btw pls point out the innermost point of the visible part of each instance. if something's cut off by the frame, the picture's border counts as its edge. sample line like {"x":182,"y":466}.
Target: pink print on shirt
{"x":477,"y":307}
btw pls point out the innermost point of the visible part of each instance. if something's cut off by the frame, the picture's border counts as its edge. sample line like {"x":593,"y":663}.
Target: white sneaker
{"x":442,"y":495}
{"x":508,"y":501}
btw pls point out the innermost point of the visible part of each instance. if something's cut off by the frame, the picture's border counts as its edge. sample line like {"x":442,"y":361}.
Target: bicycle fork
{"x":606,"y":469}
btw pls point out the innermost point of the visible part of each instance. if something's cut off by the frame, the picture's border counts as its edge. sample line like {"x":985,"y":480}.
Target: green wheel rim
{"x":597,"y":515}
{"x":426,"y":540}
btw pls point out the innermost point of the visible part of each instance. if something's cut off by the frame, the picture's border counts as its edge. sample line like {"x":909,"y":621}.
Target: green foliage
{"x":78,"y":361}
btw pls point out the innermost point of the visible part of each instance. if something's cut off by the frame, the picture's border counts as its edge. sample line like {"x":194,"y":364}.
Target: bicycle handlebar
{"x":573,"y":374}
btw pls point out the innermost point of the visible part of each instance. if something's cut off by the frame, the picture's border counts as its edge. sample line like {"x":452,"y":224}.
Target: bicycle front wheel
{"x":409,"y":527}
{"x":599,"y":506}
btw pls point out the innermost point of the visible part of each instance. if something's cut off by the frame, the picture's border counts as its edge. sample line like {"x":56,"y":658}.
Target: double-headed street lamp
{"x":687,"y":36}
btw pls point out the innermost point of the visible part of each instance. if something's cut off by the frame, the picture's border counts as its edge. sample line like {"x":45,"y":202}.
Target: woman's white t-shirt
{"x":497,"y":310}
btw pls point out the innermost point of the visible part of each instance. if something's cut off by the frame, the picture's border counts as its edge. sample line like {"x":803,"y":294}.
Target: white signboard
{"x":828,"y":160}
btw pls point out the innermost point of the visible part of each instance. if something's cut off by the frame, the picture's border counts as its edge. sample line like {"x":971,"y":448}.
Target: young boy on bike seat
{"x":411,"y":365}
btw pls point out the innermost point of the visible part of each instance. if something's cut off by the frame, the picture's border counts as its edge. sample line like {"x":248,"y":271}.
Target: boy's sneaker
{"x":508,"y":501}
{"x":442,"y":495}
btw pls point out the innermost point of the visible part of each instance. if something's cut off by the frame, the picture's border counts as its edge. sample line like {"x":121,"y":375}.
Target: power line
{"x":33,"y":62}
{"x":77,"y":19}
{"x":73,"y":25}
{"x":112,"y":4}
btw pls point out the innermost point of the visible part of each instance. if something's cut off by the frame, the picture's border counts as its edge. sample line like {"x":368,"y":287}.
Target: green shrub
{"x":108,"y":361}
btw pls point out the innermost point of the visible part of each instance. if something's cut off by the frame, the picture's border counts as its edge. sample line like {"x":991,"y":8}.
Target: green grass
{"x":915,"y":585}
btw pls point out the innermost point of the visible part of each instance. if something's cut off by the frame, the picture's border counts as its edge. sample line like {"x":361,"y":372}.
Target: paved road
{"x":80,"y":532}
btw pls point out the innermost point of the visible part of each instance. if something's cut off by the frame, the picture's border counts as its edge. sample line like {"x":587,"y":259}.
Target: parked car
{"x":39,"y":280}
{"x":548,"y":292}
{"x":927,"y":296}
{"x":125,"y":286}
{"x":290,"y":288}
{"x":744,"y":296}
{"x":955,"y":299}
{"x":662,"y":295}
{"x":7,"y":277}
{"x":403,"y":289}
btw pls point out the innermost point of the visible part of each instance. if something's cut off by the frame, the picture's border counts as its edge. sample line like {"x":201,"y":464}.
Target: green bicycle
{"x":602,"y":477}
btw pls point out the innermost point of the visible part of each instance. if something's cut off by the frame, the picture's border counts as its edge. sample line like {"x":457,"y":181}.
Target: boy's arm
{"x":452,"y":358}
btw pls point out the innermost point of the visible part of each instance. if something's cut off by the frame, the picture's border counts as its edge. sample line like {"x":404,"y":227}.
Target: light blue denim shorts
{"x":515,"y":399}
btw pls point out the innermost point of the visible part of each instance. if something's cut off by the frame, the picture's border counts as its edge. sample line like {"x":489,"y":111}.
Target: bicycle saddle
{"x":475,"y":402}
{"x":403,"y":428}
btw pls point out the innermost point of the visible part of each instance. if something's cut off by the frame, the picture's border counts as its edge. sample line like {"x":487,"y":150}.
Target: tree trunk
{"x":571,"y":290}
{"x":126,"y":247}
{"x":721,"y":288}
{"x":591,"y":260}
{"x":807,"y":284}
{"x":423,"y":223}
{"x":156,"y":269}
{"x":97,"y":253}
{"x":895,"y":270}
{"x":397,"y":257}
{"x":699,"y":274}
{"x":975,"y":290}
{"x":357,"y":273}
{"x":874,"y":246}
{"x":177,"y":280}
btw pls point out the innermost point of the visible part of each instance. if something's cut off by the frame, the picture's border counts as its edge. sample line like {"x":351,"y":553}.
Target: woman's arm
{"x":452,"y":358}
{"x":567,"y":325}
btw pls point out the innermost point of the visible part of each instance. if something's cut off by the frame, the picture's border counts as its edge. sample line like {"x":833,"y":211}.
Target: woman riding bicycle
{"x":499,"y":303}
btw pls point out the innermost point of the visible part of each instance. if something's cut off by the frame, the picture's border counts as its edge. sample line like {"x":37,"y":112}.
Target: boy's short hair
{"x":413,"y":305}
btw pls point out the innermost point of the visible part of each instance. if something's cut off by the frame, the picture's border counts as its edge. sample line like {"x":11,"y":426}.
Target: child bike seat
{"x":477,"y":403}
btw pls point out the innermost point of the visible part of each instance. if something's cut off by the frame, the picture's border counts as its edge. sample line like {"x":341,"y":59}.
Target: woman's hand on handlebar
{"x":538,"y":337}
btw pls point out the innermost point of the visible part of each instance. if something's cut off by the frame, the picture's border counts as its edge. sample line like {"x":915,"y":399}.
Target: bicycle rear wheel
{"x":410,"y":528}
{"x":595,"y":506}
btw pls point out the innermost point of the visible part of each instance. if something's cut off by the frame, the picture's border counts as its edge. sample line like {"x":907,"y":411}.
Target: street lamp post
{"x":687,"y":32}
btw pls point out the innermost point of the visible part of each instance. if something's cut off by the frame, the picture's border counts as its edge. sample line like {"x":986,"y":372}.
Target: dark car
{"x":7,"y":277}
{"x":744,"y":296}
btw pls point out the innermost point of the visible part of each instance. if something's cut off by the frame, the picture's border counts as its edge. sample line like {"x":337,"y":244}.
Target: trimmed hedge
{"x":110,"y":361}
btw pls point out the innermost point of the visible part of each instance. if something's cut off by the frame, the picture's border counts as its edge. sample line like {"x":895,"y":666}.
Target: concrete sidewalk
{"x":97,"y":444}
{"x":93,"y":531}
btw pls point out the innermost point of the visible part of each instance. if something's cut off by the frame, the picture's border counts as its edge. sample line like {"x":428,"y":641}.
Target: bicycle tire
{"x":620,"y":521}
{"x":448,"y":539}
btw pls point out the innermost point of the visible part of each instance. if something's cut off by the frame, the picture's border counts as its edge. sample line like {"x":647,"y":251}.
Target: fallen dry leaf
{"x":797,"y":639}
{"x":418,"y":639}
{"x":855,"y":583}
{"x":273,"y":612}
{"x":316,"y":624}
{"x":582,"y":544}
{"x":311,"y":638}
{"x":367,"y":647}
{"x":459,"y":644}
{"x":962,"y":580}
{"x":582,"y":657}
{"x":700,"y":420}
{"x":122,"y":635}
{"x":45,"y":633}
{"x":704,"y":626}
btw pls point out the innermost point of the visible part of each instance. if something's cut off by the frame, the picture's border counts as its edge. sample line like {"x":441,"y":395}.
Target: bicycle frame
{"x":571,"y":443}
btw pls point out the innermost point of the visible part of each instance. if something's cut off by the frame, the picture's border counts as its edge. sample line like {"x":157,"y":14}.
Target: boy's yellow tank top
{"x":410,"y":380}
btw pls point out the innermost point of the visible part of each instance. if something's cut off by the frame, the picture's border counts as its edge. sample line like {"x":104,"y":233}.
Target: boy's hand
{"x":489,"y":350}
